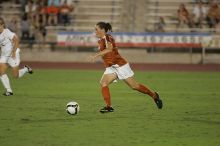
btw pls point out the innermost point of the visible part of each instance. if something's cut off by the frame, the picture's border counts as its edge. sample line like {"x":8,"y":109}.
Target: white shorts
{"x":122,"y":72}
{"x":10,"y":61}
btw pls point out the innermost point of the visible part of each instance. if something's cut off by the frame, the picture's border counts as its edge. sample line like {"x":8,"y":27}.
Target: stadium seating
{"x":168,"y":10}
{"x":89,"y":12}
{"x":15,"y":11}
{"x":124,"y":15}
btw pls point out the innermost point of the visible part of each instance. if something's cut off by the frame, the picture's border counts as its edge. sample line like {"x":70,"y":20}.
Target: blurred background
{"x":147,"y":31}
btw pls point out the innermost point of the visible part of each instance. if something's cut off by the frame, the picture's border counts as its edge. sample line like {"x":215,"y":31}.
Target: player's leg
{"x":125,"y":73}
{"x":4,"y":79}
{"x":104,"y":82}
{"x":18,"y":73}
{"x":14,"y":63}
{"x":15,"y":72}
{"x":131,"y":82}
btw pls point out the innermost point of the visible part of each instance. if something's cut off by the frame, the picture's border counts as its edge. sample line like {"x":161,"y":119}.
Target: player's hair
{"x":106,"y":26}
{"x":2,"y":22}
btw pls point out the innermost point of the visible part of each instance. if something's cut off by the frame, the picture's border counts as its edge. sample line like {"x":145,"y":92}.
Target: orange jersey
{"x":112,"y":57}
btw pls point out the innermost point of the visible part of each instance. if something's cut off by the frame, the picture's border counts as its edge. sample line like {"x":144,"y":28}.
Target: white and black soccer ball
{"x":72,"y":108}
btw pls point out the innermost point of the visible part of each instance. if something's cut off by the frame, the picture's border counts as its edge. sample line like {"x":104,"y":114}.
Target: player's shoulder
{"x":6,"y":30}
{"x":109,"y":37}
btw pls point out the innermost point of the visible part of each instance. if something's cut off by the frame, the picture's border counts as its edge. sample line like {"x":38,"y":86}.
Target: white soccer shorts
{"x":122,"y":72}
{"x":10,"y":61}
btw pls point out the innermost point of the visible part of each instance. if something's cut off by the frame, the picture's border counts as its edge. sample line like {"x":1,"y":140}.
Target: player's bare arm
{"x":108,"y":49}
{"x":15,"y":42}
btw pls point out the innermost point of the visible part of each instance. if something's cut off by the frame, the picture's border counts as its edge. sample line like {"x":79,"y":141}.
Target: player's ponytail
{"x":106,"y":26}
{"x":2,"y":22}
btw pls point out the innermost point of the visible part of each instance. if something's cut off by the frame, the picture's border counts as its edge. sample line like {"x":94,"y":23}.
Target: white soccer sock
{"x":22,"y":72}
{"x":6,"y":83}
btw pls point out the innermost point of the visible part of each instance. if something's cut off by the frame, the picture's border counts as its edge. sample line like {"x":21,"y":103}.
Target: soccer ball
{"x":72,"y":108}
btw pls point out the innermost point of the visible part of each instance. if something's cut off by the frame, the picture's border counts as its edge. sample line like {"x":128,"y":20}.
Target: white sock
{"x":22,"y":72}
{"x":6,"y":83}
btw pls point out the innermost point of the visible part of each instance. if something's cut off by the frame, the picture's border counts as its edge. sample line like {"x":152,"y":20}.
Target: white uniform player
{"x":6,"y":49}
{"x":10,"y":57}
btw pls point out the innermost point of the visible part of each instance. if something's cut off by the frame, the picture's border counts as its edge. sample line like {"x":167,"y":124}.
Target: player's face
{"x":98,"y":31}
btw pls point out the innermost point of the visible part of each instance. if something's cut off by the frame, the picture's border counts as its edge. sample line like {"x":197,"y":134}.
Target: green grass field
{"x":36,"y":114}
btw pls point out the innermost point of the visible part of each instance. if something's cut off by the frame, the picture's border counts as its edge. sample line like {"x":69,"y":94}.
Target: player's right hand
{"x":91,"y":58}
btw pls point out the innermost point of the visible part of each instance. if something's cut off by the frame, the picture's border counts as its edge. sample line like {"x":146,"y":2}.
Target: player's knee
{"x":2,"y":71}
{"x":16,"y":76}
{"x":134,"y":86}
{"x":103,"y":83}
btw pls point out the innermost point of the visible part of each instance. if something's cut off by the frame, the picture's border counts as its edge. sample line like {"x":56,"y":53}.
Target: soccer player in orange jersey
{"x":116,"y":67}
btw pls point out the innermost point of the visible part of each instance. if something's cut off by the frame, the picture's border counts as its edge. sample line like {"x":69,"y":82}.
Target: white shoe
{"x":30,"y":70}
{"x":8,"y":93}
